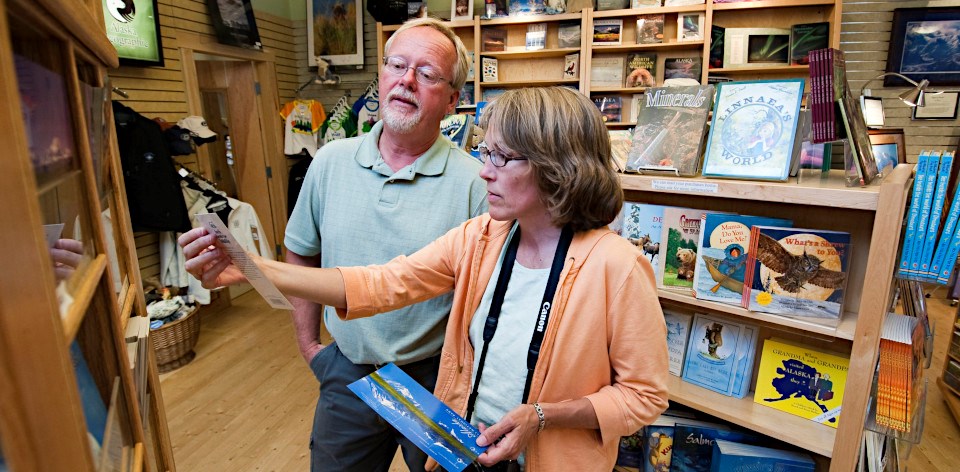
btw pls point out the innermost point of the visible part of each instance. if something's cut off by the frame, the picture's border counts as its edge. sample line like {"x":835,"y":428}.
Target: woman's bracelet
{"x":543,"y":421}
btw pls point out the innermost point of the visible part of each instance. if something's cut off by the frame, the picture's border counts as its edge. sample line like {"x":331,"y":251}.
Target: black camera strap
{"x":493,"y":317}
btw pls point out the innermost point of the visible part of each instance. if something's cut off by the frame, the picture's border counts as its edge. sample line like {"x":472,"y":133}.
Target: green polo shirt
{"x":354,"y":210}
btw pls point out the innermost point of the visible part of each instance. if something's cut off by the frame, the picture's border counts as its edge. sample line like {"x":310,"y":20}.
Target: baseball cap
{"x":179,"y":141}
{"x":197,"y":127}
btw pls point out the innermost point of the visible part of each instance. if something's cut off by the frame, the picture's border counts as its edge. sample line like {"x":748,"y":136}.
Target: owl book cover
{"x":802,"y":381}
{"x":799,"y":273}
{"x":753,"y":129}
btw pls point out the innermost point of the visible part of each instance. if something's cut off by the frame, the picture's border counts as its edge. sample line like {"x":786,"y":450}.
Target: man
{"x":364,"y":201}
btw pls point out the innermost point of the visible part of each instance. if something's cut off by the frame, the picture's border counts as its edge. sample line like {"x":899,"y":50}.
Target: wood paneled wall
{"x":865,"y":38}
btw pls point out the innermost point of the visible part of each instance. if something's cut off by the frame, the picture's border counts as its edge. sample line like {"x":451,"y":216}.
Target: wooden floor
{"x":246,"y":403}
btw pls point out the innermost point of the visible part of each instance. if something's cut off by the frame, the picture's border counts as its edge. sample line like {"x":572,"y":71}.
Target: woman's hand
{"x":207,"y":261}
{"x":514,"y":431}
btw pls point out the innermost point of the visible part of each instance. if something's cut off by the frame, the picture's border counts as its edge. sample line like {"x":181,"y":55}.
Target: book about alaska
{"x":670,"y":127}
{"x":802,"y":381}
{"x":799,"y":273}
{"x":753,"y":130}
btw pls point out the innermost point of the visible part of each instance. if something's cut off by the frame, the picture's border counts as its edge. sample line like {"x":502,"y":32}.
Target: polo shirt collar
{"x":432,"y":162}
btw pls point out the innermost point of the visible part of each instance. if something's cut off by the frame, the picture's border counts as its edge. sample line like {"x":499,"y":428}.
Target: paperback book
{"x":716,"y":46}
{"x":693,"y":445}
{"x":670,"y":127}
{"x":722,"y":260}
{"x":607,"y":31}
{"x":432,"y":426}
{"x":536,"y":38}
{"x":607,"y":71}
{"x":806,"y":37}
{"x":798,"y":273}
{"x":649,"y":29}
{"x":493,"y":39}
{"x":641,"y":70}
{"x":682,"y":68}
{"x":571,"y":66}
{"x":610,"y":108}
{"x":679,"y":238}
{"x":678,"y":331}
{"x":753,"y":130}
{"x":729,"y":456}
{"x":489,"y":67}
{"x":802,"y":381}
{"x":658,"y":440}
{"x":568,"y":34}
{"x":720,"y":355}
{"x":620,"y":147}
{"x":642,"y":226}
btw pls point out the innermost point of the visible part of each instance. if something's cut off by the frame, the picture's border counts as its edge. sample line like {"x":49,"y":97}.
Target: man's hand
{"x":510,"y":436}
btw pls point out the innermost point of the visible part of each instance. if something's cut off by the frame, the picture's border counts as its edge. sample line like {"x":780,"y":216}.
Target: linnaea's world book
{"x":753,"y":129}
{"x":426,"y":421}
{"x":678,"y":331}
{"x":722,"y":259}
{"x":671,"y":124}
{"x":719,"y":353}
{"x":802,"y":380}
{"x":798,"y":273}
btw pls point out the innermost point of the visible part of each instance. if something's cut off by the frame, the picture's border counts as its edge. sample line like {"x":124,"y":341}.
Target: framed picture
{"x":889,"y":148}
{"x":923,"y":46}
{"x":872,"y":108}
{"x":461,"y":9}
{"x":134,"y":32}
{"x":607,"y":31}
{"x":233,"y":22}
{"x":756,"y":47}
{"x":335,"y":31}
{"x":938,"y":106}
{"x":690,"y":27}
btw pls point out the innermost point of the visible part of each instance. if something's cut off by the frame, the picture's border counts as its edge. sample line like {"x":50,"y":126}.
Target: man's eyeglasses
{"x":426,"y":75}
{"x":496,"y":158}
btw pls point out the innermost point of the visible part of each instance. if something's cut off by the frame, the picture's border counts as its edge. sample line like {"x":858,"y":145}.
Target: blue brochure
{"x":421,"y":417}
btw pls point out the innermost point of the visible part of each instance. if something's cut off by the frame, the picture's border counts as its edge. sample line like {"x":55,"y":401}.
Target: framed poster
{"x":889,"y":148}
{"x":133,"y":27}
{"x":461,"y":9}
{"x":335,"y":31}
{"x":923,"y":45}
{"x":938,"y":106}
{"x":234,"y":23}
{"x":872,"y":108}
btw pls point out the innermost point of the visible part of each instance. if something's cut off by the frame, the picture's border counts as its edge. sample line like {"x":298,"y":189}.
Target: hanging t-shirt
{"x":367,"y":108}
{"x":342,"y":122}
{"x":302,"y":120}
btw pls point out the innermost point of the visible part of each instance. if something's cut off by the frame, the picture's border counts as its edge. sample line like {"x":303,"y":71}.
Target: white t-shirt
{"x":302,"y":120}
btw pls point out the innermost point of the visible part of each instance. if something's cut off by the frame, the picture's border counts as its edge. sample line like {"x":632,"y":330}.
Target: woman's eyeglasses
{"x":496,"y":158}
{"x":426,"y":75}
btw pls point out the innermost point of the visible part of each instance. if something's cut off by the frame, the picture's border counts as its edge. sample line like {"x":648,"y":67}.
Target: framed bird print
{"x":133,"y":27}
{"x":798,"y":273}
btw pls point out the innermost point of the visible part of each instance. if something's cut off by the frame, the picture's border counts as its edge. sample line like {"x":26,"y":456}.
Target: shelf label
{"x":685,"y":186}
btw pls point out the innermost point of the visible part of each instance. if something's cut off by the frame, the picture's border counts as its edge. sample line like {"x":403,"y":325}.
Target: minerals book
{"x":802,"y":381}
{"x":671,"y":124}
{"x":431,"y":425}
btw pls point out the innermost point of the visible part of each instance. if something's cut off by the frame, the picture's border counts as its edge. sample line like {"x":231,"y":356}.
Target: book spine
{"x":929,"y":186}
{"x":936,"y":212}
{"x":751,"y":262}
{"x":946,"y":235}
{"x":913,"y":215}
{"x":950,"y":260}
{"x":816,"y":109}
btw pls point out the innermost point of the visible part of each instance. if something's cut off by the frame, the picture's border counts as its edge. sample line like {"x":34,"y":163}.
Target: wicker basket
{"x":173,"y":342}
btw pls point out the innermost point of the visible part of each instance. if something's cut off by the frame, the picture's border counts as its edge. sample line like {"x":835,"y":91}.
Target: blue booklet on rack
{"x":435,"y":428}
{"x":729,"y":455}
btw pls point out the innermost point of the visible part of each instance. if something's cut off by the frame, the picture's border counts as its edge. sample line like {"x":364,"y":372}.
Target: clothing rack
{"x":120,"y":91}
{"x":187,"y":173}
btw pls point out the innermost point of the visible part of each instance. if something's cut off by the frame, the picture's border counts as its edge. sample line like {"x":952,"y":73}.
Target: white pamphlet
{"x":260,"y":282}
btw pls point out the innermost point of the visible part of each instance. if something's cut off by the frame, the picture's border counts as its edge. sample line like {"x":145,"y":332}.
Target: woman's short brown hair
{"x":565,"y":140}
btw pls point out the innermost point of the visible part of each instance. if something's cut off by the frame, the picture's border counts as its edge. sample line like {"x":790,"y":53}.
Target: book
{"x":571,"y":66}
{"x":642,"y":226}
{"x":949,"y":227}
{"x":94,"y":409}
{"x":718,"y":350}
{"x":536,"y":37}
{"x":678,"y":331}
{"x":801,"y":380}
{"x":675,"y":3}
{"x":488,"y":68}
{"x":644,"y":3}
{"x":568,"y":34}
{"x":432,"y":426}
{"x":729,"y":456}
{"x":658,"y":439}
{"x":671,"y":124}
{"x":900,"y":373}
{"x":604,"y":5}
{"x":620,"y":147}
{"x":716,"y":47}
{"x":466,"y":95}
{"x":649,"y":29}
{"x":493,"y":39}
{"x":630,"y":450}
{"x":913,"y":214}
{"x":641,"y":70}
{"x":607,"y":31}
{"x":470,"y":72}
{"x":682,"y":68}
{"x":806,"y":37}
{"x":798,"y":273}
{"x":854,"y":124}
{"x":526,"y":7}
{"x":936,"y":213}
{"x":722,"y":258}
{"x":693,"y":445}
{"x":457,"y":128}
{"x":610,"y":108}
{"x":635,"y":107}
{"x":678,"y":242}
{"x":607,"y":71}
{"x":753,"y":130}
{"x":491,"y":94}
{"x":690,"y":27}
{"x":926,"y":202}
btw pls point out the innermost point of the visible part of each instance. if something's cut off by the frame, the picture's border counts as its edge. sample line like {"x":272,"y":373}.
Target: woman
{"x":602,"y":364}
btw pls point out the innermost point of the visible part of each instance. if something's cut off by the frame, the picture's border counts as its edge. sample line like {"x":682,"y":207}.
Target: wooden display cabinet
{"x":949,"y":379}
{"x":69,"y":276}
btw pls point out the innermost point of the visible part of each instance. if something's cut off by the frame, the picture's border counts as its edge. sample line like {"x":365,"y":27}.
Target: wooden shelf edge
{"x":82,"y":297}
{"x":520,"y":20}
{"x":535,"y":54}
{"x":844,"y":330}
{"x":830,"y":192}
{"x":951,"y":399}
{"x":648,"y":11}
{"x":137,"y":465}
{"x":801,"y":432}
{"x":528,"y":83}
{"x":601,"y":49}
{"x":770,"y":4}
{"x":755,"y":69}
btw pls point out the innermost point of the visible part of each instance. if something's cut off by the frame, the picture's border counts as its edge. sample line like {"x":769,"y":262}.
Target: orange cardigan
{"x":606,"y":338}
